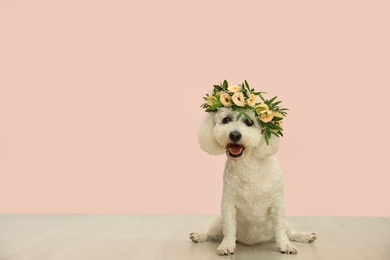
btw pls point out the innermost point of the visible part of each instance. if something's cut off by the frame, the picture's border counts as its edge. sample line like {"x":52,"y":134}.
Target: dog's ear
{"x":206,"y":136}
{"x":264,"y":150}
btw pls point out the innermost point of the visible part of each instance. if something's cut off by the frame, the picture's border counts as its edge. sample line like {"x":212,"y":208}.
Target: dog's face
{"x":238,"y":137}
{"x":221,"y":133}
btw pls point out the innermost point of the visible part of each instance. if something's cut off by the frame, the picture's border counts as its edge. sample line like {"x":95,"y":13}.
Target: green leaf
{"x":283,"y":113}
{"x":244,"y":91}
{"x":238,"y":116}
{"x":217,"y":88}
{"x":248,"y":118}
{"x":270,"y":125}
{"x":215,"y":101}
{"x":214,"y":107}
{"x":275,"y":118}
{"x":272,"y":100}
{"x":225,"y":84}
{"x":277,"y":127}
{"x":247,"y":107}
{"x":261,"y":97}
{"x":266,"y":136}
{"x":247,"y":85}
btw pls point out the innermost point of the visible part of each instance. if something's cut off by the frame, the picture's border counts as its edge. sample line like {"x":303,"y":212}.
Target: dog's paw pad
{"x":198,"y":238}
{"x":226,"y":249}
{"x":288,"y":248}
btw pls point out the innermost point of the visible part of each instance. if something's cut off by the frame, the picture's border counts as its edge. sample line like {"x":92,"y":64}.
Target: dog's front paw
{"x":287,"y":248}
{"x":302,"y":236}
{"x":226,"y":248}
{"x":198,"y":237}
{"x":310,"y":237}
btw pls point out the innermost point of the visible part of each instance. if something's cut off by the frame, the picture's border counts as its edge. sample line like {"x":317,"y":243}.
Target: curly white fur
{"x":252,"y":208}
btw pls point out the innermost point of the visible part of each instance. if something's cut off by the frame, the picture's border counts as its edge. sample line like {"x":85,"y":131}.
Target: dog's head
{"x":220,"y":133}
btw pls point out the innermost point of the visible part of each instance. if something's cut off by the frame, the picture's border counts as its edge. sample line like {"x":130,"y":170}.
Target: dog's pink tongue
{"x":235,"y":149}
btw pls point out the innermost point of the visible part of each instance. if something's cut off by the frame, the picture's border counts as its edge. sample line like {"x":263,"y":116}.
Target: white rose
{"x":261,"y":108}
{"x":251,"y":100}
{"x":234,"y":88}
{"x":277,"y":114}
{"x":225,"y":99}
{"x":209,"y":100}
{"x":266,"y":117}
{"x":238,"y":99}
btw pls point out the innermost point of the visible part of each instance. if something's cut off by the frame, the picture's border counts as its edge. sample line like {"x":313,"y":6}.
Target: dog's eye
{"x":248,"y":123}
{"x":225,"y":120}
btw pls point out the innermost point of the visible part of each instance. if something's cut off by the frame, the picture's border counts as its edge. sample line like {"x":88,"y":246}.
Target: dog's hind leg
{"x":214,"y":233}
{"x":301,"y":236}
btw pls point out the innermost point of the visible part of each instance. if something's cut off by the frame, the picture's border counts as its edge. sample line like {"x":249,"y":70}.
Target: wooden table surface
{"x":167,"y":237}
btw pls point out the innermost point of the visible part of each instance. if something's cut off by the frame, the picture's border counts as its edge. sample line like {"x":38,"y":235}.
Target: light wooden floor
{"x":166,"y":237}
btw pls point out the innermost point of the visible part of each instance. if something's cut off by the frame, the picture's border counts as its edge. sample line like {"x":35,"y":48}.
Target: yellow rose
{"x":238,"y":99}
{"x":209,"y":100}
{"x":277,"y":114}
{"x":251,"y":100}
{"x":266,"y":117}
{"x":261,"y":108}
{"x":234,"y":88}
{"x":225,"y":99}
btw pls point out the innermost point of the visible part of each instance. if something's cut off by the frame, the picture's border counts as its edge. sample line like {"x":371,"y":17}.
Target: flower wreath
{"x":241,"y":98}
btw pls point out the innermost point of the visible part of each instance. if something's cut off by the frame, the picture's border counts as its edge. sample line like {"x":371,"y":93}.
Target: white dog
{"x":252,"y":208}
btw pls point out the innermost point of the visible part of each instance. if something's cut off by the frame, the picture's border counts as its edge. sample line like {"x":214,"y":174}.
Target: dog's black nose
{"x":235,"y":136}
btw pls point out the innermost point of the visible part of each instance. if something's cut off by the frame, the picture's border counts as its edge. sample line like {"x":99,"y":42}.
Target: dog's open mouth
{"x":235,"y":150}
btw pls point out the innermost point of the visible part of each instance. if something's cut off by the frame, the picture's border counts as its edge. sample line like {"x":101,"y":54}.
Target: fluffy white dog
{"x":252,"y":208}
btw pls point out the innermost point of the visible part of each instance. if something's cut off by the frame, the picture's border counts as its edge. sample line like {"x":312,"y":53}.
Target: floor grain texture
{"x":167,"y":237}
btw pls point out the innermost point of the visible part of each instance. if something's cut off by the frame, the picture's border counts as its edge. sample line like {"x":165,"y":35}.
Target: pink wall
{"x":99,"y":102}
